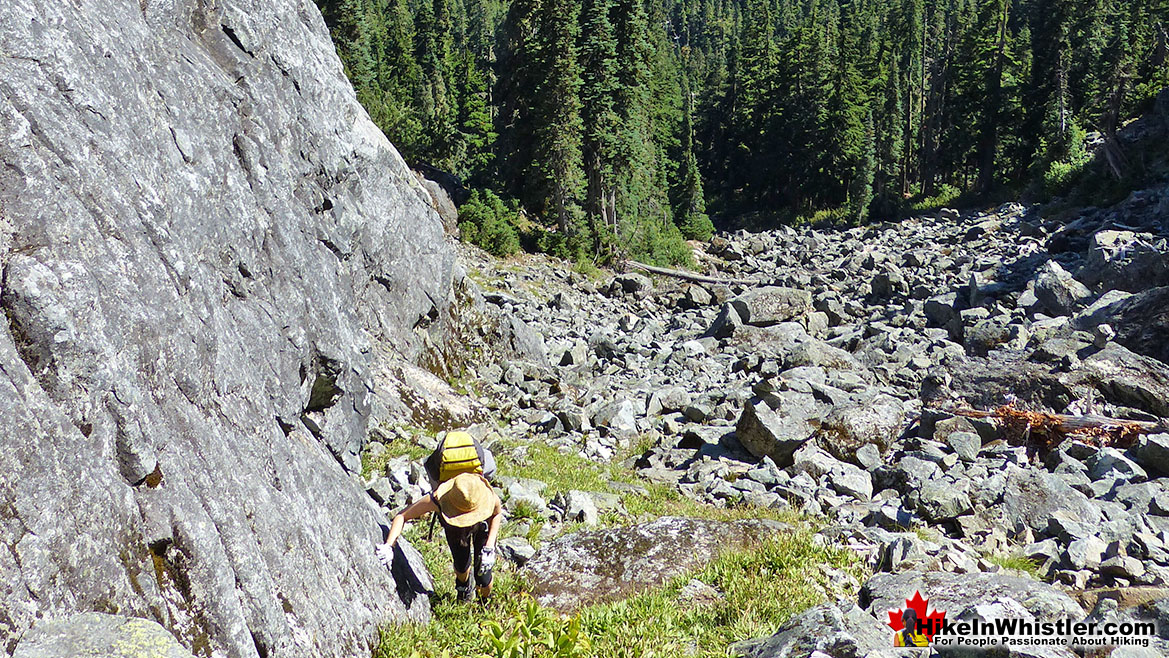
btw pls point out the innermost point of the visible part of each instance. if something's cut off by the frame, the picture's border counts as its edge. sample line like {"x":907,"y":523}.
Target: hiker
{"x":459,"y":470}
{"x":471,"y":515}
{"x":910,"y":635}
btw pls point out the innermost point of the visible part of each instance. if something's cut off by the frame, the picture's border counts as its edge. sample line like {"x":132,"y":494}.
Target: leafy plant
{"x":535,"y":631}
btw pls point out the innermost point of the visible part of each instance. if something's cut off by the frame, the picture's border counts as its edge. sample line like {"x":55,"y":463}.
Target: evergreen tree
{"x":600,"y":118}
{"x":557,"y":122}
{"x":849,"y":129}
{"x":992,"y":54}
{"x":690,"y":206}
{"x":643,"y":210}
{"x":518,"y":76}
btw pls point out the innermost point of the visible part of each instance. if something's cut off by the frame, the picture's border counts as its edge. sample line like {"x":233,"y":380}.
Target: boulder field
{"x":877,"y":379}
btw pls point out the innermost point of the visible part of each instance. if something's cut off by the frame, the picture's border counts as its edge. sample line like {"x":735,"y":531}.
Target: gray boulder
{"x":963,"y":595}
{"x":848,"y":427}
{"x":1058,"y":291}
{"x":1123,"y":260}
{"x":696,"y":296}
{"x":989,"y":334}
{"x":792,"y":347}
{"x":594,"y":566}
{"x":888,"y":283}
{"x":634,"y":283}
{"x":516,"y":550}
{"x":1033,"y":498}
{"x":617,"y":416}
{"x":668,"y":400}
{"x":577,"y":506}
{"x":525,"y":493}
{"x":965,"y":444}
{"x":851,"y":481}
{"x":1123,"y":377}
{"x":99,"y":635}
{"x":726,"y":323}
{"x":763,"y":307}
{"x":810,"y":459}
{"x":526,"y":342}
{"x":210,"y":252}
{"x":1141,"y":322}
{"x":940,"y":310}
{"x":1112,"y":464}
{"x":842,"y":477}
{"x":826,"y":631}
{"x":941,"y":500}
{"x":777,"y":434}
{"x":985,"y":382}
{"x":1152,"y":452}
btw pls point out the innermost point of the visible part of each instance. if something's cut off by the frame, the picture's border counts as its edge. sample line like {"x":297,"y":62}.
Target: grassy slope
{"x":761,"y":588}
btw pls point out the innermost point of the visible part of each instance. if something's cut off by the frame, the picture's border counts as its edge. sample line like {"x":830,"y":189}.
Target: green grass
{"x":395,"y":448}
{"x":1016,"y":562}
{"x":589,"y":269}
{"x":761,"y":588}
{"x":947,"y":196}
{"x":564,"y":471}
{"x":925,"y":533}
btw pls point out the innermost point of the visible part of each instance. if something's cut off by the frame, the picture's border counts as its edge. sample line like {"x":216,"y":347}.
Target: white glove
{"x":385,"y":555}
{"x":486,"y":559}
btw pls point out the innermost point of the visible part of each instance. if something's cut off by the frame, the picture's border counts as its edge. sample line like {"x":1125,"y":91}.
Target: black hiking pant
{"x":466,"y":546}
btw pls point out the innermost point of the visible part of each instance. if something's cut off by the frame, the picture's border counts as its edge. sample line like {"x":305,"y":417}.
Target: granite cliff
{"x":210,"y":256}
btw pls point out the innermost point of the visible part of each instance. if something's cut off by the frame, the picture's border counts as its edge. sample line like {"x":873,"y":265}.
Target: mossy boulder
{"x":598,"y":566}
{"x":98,"y":635}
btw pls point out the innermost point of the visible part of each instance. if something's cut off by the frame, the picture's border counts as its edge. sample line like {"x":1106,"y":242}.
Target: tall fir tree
{"x":600,"y":119}
{"x":518,"y":75}
{"x":557,"y":121}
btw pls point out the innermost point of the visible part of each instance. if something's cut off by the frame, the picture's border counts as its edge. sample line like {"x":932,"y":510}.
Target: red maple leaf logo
{"x":931,"y":620}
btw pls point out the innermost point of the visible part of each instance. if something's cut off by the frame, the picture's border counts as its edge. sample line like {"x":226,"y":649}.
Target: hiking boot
{"x":463,"y":591}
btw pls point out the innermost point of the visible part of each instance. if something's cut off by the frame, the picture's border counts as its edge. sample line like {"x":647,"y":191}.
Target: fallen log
{"x":690,"y":276}
{"x":1045,"y":431}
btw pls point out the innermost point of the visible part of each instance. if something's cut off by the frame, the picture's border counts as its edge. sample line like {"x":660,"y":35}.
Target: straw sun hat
{"x":465,"y":500}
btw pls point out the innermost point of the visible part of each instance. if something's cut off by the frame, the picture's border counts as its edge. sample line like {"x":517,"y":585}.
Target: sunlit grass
{"x":760,"y":588}
{"x":1016,"y":562}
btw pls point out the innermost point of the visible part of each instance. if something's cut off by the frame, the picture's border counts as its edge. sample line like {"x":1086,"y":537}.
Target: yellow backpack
{"x":459,"y":453}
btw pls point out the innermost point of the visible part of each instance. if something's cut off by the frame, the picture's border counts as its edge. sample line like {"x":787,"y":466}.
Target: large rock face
{"x":207,"y":248}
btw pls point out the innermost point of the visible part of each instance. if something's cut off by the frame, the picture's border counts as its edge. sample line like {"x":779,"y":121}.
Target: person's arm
{"x":493,"y":525}
{"x":419,"y":508}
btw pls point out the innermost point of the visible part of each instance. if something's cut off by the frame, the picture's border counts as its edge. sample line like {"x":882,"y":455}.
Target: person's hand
{"x":385,"y":554}
{"x":486,"y":559}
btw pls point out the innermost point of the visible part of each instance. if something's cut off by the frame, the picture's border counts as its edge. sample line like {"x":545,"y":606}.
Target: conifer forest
{"x":602,"y":128}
